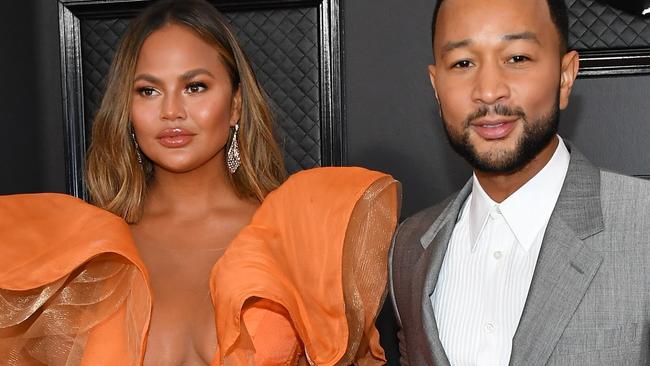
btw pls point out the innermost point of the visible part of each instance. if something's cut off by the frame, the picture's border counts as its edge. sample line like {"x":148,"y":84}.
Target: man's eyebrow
{"x":526,"y":36}
{"x":452,"y":45}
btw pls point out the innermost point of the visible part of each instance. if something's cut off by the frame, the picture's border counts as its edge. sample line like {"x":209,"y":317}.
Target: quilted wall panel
{"x":596,"y":26}
{"x":283,"y":46}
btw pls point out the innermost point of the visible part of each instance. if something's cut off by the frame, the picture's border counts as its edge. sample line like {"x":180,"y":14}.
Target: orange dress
{"x":306,"y":276}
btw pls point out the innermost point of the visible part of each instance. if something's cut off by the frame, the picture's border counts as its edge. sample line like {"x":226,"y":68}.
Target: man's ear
{"x":568,"y":74}
{"x":235,"y":108}
{"x":432,"y":77}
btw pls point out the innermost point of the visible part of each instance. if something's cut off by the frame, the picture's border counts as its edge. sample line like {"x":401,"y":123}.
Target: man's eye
{"x":147,"y":91}
{"x":195,"y":88}
{"x":464,"y":64}
{"x":517,"y":59}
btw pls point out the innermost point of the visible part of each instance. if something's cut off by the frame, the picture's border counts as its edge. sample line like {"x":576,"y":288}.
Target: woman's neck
{"x":191,"y":193}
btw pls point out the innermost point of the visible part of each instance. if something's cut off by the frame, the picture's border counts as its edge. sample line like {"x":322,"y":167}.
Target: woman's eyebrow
{"x":192,"y":73}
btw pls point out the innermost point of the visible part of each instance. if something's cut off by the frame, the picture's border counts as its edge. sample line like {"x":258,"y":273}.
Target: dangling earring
{"x":137,"y":147}
{"x":233,"y":160}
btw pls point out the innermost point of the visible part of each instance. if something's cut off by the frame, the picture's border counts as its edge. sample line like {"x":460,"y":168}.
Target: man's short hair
{"x":559,"y":16}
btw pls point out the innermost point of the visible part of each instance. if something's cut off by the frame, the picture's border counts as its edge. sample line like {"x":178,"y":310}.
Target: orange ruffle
{"x":70,"y":279}
{"x":305,"y":279}
{"x":317,"y":247}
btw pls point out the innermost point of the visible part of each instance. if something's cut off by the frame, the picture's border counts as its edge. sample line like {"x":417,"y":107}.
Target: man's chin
{"x":493,"y":147}
{"x":496,"y":162}
{"x":496,"y":156}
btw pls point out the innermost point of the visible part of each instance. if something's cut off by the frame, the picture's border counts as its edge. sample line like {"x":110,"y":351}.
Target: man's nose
{"x":490,"y":84}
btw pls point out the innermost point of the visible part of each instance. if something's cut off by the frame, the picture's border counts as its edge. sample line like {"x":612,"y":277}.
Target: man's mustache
{"x":496,"y":110}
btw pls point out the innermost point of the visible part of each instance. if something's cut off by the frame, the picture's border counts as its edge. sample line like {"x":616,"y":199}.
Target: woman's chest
{"x":179,"y":259}
{"x":182,"y":329}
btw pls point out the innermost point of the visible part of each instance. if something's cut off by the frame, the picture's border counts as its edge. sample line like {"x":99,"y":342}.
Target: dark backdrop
{"x":31,"y":147}
{"x":391,"y":118}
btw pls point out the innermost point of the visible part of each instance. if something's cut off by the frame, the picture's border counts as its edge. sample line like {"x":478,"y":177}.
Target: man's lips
{"x":174,"y":137}
{"x":494,"y":128}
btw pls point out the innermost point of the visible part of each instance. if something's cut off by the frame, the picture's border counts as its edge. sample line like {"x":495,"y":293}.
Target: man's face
{"x":500,"y":79}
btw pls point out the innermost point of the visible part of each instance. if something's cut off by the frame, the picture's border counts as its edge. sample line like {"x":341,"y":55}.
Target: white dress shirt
{"x":489,"y":264}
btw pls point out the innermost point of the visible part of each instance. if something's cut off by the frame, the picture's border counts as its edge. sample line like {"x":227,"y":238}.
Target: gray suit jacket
{"x":589,"y":300}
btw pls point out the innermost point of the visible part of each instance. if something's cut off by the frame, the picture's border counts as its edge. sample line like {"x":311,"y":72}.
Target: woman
{"x":182,"y":150}
{"x":189,"y":87}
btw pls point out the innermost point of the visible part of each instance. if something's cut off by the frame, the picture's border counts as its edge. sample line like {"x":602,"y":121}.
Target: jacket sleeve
{"x":403,"y":357}
{"x":392,"y":266}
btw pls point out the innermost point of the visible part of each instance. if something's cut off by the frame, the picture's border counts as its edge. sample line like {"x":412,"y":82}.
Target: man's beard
{"x":535,"y":137}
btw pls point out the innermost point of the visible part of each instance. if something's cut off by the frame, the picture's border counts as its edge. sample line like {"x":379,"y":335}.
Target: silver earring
{"x":137,"y":147}
{"x":233,"y":158}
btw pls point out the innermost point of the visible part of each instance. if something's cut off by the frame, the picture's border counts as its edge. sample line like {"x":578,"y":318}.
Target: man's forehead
{"x":469,"y":4}
{"x":469,"y":19}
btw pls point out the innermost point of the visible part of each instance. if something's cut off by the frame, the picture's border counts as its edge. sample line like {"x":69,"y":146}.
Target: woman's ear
{"x":236,"y":105}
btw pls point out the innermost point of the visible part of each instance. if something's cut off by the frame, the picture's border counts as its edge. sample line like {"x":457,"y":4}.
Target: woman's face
{"x":183,"y":102}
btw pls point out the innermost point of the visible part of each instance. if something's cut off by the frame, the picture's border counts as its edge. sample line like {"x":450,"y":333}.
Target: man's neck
{"x":500,"y":186}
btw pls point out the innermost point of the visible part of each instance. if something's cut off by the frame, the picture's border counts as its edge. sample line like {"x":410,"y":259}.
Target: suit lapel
{"x":434,"y":241}
{"x":564,"y":271}
{"x":565,"y":266}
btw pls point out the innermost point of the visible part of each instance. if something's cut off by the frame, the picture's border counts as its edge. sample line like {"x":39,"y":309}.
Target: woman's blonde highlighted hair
{"x":115,"y":179}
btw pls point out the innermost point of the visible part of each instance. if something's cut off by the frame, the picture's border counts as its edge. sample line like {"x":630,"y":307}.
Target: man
{"x":542,"y":258}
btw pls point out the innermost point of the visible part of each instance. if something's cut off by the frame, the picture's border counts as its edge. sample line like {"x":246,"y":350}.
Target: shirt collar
{"x":524,"y":212}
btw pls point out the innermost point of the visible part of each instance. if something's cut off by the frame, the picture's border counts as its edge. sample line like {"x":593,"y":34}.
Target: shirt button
{"x":498,"y":254}
{"x":489,"y":327}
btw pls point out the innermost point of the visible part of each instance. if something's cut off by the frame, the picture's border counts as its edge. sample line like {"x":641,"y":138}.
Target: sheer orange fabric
{"x":72,"y":288}
{"x":305,"y":279}
{"x":316,"y":253}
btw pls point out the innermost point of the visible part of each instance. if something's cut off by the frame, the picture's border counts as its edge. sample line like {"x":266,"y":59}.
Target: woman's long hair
{"x":115,"y":179}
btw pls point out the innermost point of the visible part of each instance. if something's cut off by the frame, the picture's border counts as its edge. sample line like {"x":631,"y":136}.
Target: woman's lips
{"x":175,"y":137}
{"x":494,"y":130}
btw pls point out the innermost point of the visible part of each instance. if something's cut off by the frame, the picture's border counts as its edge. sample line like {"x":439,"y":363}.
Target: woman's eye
{"x":195,"y":88}
{"x":464,"y":64}
{"x":147,"y":91}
